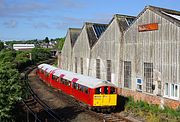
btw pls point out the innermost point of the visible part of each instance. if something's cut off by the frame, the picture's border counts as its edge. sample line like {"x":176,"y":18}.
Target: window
{"x":127,"y":74}
{"x":174,"y":91}
{"x":75,"y":64}
{"x":139,"y":84}
{"x":148,"y":77}
{"x":171,"y":90}
{"x":98,"y":90}
{"x":106,"y":90}
{"x":54,"y":77}
{"x":81,"y":65}
{"x":108,"y":70}
{"x":112,"y":90}
{"x":166,"y":89}
{"x":98,"y":68}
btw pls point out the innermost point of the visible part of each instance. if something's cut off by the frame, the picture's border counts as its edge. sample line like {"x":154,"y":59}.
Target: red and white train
{"x":93,"y":92}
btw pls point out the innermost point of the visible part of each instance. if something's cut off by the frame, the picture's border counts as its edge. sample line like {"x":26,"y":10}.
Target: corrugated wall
{"x":105,"y":49}
{"x":81,"y":50}
{"x":160,"y":47}
{"x":66,"y":53}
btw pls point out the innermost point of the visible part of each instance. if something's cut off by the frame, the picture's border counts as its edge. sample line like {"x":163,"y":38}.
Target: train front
{"x":105,"y":97}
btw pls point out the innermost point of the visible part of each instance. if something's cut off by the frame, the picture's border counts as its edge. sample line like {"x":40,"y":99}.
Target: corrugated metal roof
{"x":82,"y":80}
{"x":94,"y":31}
{"x":74,"y":33}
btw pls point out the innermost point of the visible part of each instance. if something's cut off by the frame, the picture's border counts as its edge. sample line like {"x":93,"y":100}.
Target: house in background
{"x":23,"y":46}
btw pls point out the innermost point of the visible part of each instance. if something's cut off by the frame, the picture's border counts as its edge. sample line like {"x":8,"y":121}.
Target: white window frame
{"x":139,"y":84}
{"x":170,"y":91}
{"x":166,"y":95}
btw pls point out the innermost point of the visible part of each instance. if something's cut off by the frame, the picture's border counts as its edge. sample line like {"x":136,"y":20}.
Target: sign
{"x":148,"y":27}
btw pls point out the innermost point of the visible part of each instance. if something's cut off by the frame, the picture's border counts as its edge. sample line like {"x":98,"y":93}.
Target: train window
{"x":106,"y":90}
{"x":61,"y":80}
{"x":54,"y":77}
{"x":112,"y":90}
{"x":47,"y":74}
{"x":75,"y":86}
{"x":98,"y":90}
{"x":41,"y":70}
{"x":69,"y":83}
{"x":86,"y":90}
{"x":80,"y":88}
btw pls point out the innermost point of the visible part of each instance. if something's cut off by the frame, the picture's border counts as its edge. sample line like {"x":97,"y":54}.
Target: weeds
{"x":152,"y":113}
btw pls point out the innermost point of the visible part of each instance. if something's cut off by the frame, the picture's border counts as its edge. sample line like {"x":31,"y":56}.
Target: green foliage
{"x":40,"y":54}
{"x":10,"y":91}
{"x":7,"y":56}
{"x":60,"y":43}
{"x":1,"y":45}
{"x":152,"y":113}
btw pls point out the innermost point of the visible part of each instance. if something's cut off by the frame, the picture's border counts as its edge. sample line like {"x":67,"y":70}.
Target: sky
{"x":37,"y":19}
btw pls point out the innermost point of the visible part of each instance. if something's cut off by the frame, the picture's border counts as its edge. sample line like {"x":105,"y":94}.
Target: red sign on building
{"x":148,"y":27}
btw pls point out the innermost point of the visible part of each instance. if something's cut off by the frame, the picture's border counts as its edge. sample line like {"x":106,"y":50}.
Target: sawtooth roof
{"x":74,"y":33}
{"x":94,"y":31}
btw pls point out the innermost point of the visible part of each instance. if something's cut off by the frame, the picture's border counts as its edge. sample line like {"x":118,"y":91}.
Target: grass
{"x":152,"y":113}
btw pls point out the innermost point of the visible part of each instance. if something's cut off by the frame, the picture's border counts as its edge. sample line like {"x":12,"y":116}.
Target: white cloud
{"x":11,"y":24}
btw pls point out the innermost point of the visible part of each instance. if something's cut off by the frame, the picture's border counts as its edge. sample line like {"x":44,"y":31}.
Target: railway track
{"x":74,"y":105}
{"x":38,"y":109}
{"x":77,"y":106}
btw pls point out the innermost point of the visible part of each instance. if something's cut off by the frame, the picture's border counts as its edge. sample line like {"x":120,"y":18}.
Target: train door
{"x":112,"y":96}
{"x":105,"y":96}
{"x":97,"y":99}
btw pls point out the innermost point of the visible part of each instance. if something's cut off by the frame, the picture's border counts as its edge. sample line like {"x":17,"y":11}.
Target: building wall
{"x":81,"y":50}
{"x":107,"y":48}
{"x":66,"y":54}
{"x":160,"y":47}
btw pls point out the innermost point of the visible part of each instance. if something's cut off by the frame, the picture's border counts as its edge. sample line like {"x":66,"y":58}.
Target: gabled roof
{"x":124,"y":21}
{"x":94,"y":31}
{"x":74,"y":33}
{"x":171,"y":15}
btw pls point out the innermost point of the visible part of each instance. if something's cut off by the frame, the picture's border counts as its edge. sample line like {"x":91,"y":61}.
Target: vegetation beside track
{"x":152,"y":113}
{"x":11,"y":86}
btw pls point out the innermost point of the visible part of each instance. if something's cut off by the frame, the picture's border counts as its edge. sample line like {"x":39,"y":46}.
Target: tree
{"x":46,"y":40}
{"x":10,"y":92}
{"x":1,"y":45}
{"x":40,"y":54}
{"x":60,"y":43}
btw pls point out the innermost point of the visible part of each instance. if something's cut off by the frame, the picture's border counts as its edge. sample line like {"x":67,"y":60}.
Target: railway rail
{"x":76,"y":105}
{"x":35,"y":100}
{"x":34,"y":103}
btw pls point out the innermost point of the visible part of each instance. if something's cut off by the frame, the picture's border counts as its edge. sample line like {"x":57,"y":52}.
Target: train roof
{"x":80,"y":79}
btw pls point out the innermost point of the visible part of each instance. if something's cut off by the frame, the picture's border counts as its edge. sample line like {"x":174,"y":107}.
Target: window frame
{"x":98,"y":68}
{"x":170,"y":96}
{"x":127,"y":65}
{"x":108,"y":70}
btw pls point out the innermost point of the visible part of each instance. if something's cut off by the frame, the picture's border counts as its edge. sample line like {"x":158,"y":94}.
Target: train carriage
{"x":95,"y":93}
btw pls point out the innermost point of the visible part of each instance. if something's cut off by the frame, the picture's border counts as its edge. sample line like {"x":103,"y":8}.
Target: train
{"x":96,"y":94}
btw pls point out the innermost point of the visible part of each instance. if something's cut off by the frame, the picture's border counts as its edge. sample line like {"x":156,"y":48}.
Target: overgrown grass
{"x":152,"y":113}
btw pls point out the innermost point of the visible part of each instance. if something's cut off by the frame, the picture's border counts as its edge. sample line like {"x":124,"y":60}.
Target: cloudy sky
{"x":36,"y":19}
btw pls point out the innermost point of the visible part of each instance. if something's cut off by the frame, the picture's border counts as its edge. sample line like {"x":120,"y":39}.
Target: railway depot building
{"x":84,"y":43}
{"x":67,"y":50}
{"x":140,"y":55}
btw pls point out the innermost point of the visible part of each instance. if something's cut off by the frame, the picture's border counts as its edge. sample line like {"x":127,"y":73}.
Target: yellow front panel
{"x":105,"y":100}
